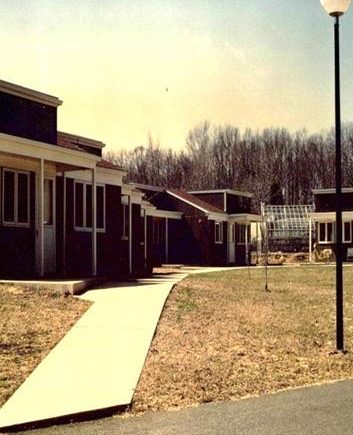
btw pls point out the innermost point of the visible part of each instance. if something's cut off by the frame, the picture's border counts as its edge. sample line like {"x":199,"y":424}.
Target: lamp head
{"x":336,"y":8}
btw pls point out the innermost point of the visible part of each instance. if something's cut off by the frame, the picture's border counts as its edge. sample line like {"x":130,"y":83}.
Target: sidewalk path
{"x":98,"y":363}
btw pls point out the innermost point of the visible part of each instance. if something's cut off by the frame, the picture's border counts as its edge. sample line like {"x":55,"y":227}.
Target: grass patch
{"x":31,"y":324}
{"x":222,"y":337}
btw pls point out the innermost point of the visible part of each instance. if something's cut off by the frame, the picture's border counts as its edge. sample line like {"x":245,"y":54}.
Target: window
{"x":326,"y":232}
{"x":218,"y":232}
{"x":347,"y":232}
{"x":16,"y":198}
{"x":83,"y":206}
{"x":232,"y":233}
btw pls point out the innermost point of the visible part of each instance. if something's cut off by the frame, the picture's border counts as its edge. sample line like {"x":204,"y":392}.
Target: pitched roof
{"x":196,"y":202}
{"x":65,"y":142}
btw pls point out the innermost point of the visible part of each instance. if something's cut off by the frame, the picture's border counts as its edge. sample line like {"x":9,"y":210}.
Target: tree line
{"x":277,"y":166}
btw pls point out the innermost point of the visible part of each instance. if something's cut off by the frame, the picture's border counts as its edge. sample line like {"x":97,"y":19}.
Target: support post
{"x":41,"y":219}
{"x":310,"y":239}
{"x":64,"y":226}
{"x":94,"y":223}
{"x":166,"y":241}
{"x":130,"y":236}
{"x":246,"y":244}
{"x":145,"y":236}
{"x":339,"y":260}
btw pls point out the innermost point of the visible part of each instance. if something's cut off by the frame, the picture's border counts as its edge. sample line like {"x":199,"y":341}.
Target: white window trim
{"x":343,"y":233}
{"x":326,"y":241}
{"x":15,"y":223}
{"x":84,"y":228}
{"x":221,"y":238}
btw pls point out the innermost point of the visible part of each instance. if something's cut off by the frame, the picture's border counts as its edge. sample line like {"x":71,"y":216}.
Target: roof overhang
{"x":65,"y":158}
{"x":245,"y":218}
{"x":229,"y":191}
{"x":331,"y":191}
{"x":163,"y":213}
{"x":29,"y":94}
{"x":330,"y":216}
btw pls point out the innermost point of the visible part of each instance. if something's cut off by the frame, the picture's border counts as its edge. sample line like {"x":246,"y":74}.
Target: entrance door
{"x":49,"y":227}
{"x":231,"y":243}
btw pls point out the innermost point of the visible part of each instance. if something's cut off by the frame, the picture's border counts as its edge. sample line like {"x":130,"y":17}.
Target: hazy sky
{"x":129,"y":68}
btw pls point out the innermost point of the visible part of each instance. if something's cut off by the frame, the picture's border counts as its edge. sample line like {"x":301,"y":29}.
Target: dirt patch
{"x":222,"y":337}
{"x":31,"y":323}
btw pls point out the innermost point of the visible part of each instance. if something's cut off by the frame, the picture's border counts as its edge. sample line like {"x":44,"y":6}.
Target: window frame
{"x":15,"y":222}
{"x":344,"y":240}
{"x":84,"y":227}
{"x":218,"y":240}
{"x":326,"y":241}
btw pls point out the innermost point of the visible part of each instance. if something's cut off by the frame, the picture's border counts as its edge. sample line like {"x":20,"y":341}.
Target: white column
{"x":310,"y":240}
{"x":64,"y":225}
{"x":166,"y":241}
{"x":41,"y":219}
{"x":145,"y":235}
{"x":130,"y":236}
{"x":94,"y":223}
{"x":246,"y":244}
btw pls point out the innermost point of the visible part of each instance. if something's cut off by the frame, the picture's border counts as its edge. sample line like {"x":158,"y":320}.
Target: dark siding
{"x":27,"y":118}
{"x":238,"y":204}
{"x":112,"y":252}
{"x":216,"y":199}
{"x":326,"y":202}
{"x":17,"y":245}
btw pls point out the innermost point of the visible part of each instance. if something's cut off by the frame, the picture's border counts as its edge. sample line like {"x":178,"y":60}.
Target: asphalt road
{"x":326,"y":409}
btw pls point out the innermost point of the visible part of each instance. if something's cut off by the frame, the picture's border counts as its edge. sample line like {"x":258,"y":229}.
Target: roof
{"x":108,"y":165}
{"x":194,"y":201}
{"x":79,"y":141}
{"x":229,"y":191}
{"x":29,"y":94}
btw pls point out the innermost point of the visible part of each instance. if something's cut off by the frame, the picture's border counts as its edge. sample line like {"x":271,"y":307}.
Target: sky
{"x":129,"y":69}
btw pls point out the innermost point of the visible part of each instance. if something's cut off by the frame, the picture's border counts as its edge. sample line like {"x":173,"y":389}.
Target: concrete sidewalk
{"x":97,"y":365}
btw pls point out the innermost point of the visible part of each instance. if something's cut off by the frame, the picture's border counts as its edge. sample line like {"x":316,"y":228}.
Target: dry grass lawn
{"x":222,"y":337}
{"x":31,"y":323}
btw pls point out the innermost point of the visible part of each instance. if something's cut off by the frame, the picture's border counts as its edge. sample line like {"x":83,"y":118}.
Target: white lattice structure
{"x":288,"y":225}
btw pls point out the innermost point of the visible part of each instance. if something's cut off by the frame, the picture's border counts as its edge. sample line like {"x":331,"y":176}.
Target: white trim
{"x":147,"y":187}
{"x":327,"y":240}
{"x":29,"y":94}
{"x":219,"y":241}
{"x":350,"y":232}
{"x":111,"y":177}
{"x":130,"y":236}
{"x":94,"y":220}
{"x":39,"y":150}
{"x":245,"y":218}
{"x":330,"y":216}
{"x":15,"y":222}
{"x":41,"y":219}
{"x":166,"y":241}
{"x":229,"y":191}
{"x":64,"y":223}
{"x":331,"y":191}
{"x":217,"y":217}
{"x":164,"y":213}
{"x":85,"y":228}
{"x":225,"y":201}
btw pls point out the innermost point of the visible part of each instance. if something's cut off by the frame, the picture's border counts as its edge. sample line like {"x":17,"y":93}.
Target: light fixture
{"x":336,"y":8}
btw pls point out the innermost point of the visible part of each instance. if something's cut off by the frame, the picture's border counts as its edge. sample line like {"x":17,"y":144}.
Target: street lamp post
{"x":337,"y":8}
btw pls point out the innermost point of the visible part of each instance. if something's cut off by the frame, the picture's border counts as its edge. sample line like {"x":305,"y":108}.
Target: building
{"x":200,"y":227}
{"x":324,"y":219}
{"x":64,"y":210}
